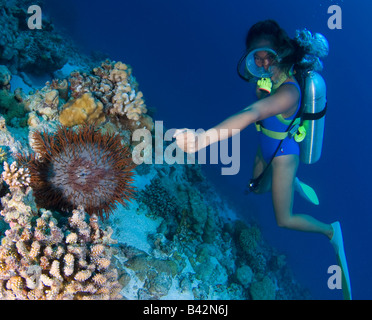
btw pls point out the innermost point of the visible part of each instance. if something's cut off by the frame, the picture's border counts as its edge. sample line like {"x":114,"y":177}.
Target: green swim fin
{"x":306,"y":192}
{"x":338,"y":244}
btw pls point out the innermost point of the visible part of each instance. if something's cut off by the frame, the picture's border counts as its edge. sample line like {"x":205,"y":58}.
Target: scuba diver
{"x":281,"y":67}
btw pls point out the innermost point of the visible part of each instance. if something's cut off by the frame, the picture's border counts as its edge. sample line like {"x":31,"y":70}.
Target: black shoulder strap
{"x":314,"y":116}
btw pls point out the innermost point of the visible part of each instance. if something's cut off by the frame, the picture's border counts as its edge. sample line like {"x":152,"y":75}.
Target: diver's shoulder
{"x":291,"y":80}
{"x":289,"y":85}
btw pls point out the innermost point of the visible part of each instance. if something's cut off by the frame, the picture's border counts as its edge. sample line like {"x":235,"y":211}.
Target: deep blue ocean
{"x":184,"y":55}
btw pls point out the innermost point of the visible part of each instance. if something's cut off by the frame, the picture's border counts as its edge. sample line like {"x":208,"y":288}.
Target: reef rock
{"x":5,"y":77}
{"x":24,"y":50}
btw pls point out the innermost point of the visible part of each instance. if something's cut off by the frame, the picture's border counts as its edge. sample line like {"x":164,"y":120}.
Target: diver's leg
{"x":283,"y":179}
{"x":259,"y":167}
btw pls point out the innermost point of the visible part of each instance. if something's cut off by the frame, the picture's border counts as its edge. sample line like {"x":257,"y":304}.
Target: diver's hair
{"x":315,"y":47}
{"x":303,"y":52}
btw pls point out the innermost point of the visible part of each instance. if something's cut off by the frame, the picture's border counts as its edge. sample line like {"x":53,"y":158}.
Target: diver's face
{"x":264,"y":59}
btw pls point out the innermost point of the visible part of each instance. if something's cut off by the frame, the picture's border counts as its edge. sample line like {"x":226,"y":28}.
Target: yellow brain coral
{"x":84,"y":110}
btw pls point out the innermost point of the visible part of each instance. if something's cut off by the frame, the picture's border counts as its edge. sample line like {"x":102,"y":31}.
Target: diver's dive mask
{"x":258,"y":64}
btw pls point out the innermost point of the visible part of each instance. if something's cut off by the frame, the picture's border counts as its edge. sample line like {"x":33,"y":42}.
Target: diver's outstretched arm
{"x":285,"y":99}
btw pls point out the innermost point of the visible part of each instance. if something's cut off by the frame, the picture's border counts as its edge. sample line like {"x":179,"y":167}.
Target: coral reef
{"x":43,"y":103}
{"x":12,"y":139}
{"x":11,"y":108}
{"x":176,"y":237}
{"x":249,"y":238}
{"x":196,"y":249}
{"x":126,"y":101}
{"x":24,"y":50}
{"x":5,"y":77}
{"x":42,"y":259}
{"x":263,"y":290}
{"x":107,"y":96}
{"x":80,"y":168}
{"x":158,"y":200}
{"x":114,"y":86}
{"x":3,"y":155}
{"x":244,"y":275}
{"x":61,"y":86}
{"x":156,"y":274}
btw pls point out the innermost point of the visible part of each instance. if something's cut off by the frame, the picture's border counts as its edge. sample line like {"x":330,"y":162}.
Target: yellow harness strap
{"x":275,"y":134}
{"x":282,"y":120}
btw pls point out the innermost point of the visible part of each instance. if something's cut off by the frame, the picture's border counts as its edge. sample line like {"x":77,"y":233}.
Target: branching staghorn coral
{"x":16,"y":177}
{"x":40,"y":259}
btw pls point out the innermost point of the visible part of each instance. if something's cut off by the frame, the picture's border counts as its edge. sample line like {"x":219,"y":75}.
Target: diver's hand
{"x":265,"y":84}
{"x":261,"y":94}
{"x":187,"y":140}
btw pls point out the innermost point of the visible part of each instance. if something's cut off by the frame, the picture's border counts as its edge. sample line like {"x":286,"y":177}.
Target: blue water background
{"x":184,"y":56}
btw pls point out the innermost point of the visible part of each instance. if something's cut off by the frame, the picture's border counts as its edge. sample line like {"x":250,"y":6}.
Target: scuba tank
{"x":314,"y":106}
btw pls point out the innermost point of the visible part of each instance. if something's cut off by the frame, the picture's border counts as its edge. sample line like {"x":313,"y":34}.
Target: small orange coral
{"x":84,"y":110}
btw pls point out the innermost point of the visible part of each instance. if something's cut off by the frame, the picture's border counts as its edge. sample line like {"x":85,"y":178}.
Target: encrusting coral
{"x":42,"y":257}
{"x":84,"y":110}
{"x":83,"y":167}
